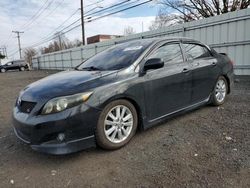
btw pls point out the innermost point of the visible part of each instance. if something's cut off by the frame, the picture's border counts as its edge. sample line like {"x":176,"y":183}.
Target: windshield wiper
{"x":92,"y":68}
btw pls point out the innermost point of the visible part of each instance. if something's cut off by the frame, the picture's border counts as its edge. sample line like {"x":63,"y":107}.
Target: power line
{"x":85,"y":16}
{"x":94,"y":19}
{"x":47,"y":15}
{"x":115,"y":5}
{"x":94,"y":14}
{"x":104,"y":16}
{"x":58,"y":5}
{"x":94,"y":3}
{"x":32,"y":19}
{"x":39,"y":14}
{"x":70,"y":24}
{"x":63,"y":23}
{"x":120,"y":10}
{"x":13,"y":53}
{"x":76,"y":21}
{"x":42,"y":9}
{"x":8,"y":39}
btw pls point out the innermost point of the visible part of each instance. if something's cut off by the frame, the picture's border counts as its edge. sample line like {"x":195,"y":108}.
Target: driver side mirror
{"x":154,"y":63}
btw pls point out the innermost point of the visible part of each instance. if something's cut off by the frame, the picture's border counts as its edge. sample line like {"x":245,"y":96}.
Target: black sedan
{"x":133,"y":85}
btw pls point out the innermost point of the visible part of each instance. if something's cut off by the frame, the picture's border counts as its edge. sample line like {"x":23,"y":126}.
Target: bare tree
{"x":28,"y":54}
{"x":129,"y":31}
{"x":77,"y":43}
{"x":196,"y":9}
{"x":164,"y":19}
{"x":72,"y":44}
{"x":61,"y":42}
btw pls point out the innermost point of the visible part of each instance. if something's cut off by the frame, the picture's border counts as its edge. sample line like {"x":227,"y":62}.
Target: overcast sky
{"x":19,"y":15}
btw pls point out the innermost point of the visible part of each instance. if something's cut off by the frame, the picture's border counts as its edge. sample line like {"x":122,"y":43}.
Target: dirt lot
{"x":209,"y":147}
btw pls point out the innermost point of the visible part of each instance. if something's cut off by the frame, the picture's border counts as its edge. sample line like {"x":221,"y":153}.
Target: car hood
{"x":66,"y":83}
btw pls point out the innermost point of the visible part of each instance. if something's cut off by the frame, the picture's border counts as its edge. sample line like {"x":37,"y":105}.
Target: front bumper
{"x":41,"y":132}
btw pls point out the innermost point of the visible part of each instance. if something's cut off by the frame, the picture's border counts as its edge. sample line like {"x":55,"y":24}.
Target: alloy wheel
{"x":118,"y":124}
{"x":220,"y":90}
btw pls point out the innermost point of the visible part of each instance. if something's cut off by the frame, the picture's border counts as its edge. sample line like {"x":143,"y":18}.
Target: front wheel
{"x":3,"y":70}
{"x":117,"y":124}
{"x":220,"y":91}
{"x":22,"y":69}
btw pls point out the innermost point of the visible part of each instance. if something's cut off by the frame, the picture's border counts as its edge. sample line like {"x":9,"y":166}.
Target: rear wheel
{"x":3,"y":70}
{"x":22,"y":69}
{"x":220,"y":91}
{"x":117,"y":124}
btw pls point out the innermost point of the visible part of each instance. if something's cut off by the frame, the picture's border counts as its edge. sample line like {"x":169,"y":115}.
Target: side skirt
{"x":152,"y":122}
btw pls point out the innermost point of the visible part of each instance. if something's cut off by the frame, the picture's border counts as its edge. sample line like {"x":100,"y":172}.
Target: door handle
{"x":185,"y":70}
{"x":214,"y":63}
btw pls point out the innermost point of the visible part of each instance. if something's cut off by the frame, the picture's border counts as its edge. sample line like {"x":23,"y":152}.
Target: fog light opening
{"x":61,"y":137}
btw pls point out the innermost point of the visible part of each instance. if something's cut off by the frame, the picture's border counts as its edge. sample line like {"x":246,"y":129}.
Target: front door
{"x":167,"y":89}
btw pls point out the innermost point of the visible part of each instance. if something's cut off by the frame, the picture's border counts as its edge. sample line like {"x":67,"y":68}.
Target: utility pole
{"x":60,"y":41}
{"x":19,"y":44}
{"x":82,"y":20}
{"x":58,"y":34}
{"x":184,"y":10}
{"x":4,"y":51}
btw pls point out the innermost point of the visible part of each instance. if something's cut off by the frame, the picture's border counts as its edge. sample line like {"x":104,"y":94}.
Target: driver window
{"x":169,"y":53}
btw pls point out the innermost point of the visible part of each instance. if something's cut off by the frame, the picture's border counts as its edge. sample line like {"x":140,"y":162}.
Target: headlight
{"x":61,"y":103}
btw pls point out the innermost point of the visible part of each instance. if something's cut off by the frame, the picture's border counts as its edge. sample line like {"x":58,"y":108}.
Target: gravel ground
{"x":208,"y":147}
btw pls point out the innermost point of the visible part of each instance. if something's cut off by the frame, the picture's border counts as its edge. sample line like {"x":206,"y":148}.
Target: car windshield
{"x":117,"y":57}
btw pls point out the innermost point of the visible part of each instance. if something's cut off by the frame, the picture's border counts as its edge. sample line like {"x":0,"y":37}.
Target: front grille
{"x":26,"y":107}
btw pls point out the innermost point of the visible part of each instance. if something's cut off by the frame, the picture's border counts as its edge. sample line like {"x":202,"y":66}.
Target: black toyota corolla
{"x":130,"y":86}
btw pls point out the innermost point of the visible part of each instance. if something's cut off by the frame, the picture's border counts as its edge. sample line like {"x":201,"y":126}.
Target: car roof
{"x":160,"y":39}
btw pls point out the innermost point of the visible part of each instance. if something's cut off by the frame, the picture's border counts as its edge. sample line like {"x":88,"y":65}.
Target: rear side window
{"x":169,"y":53}
{"x":195,"y":51}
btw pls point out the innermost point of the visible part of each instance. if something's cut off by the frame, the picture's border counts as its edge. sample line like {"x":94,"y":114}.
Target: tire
{"x":22,"y":69}
{"x":220,"y":91}
{"x":112,"y":133}
{"x":3,"y":70}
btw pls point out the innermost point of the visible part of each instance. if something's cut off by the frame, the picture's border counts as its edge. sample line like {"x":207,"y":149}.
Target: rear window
{"x":195,"y":51}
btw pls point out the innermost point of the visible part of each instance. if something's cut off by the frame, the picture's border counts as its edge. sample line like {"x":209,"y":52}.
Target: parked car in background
{"x":132,"y":85}
{"x":20,"y":65}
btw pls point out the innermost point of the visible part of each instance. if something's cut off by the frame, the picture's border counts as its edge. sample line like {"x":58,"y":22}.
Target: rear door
{"x":16,"y":64}
{"x":169,"y":88}
{"x":205,"y":70}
